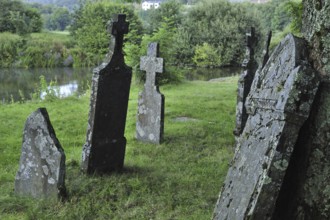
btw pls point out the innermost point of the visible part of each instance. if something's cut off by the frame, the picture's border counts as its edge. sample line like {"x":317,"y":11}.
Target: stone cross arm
{"x":151,"y":64}
{"x":119,"y":28}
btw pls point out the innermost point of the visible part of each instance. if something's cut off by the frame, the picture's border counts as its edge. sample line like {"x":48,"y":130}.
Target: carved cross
{"x":151,"y":64}
{"x":250,"y":44}
{"x":251,"y":38}
{"x":119,"y":28}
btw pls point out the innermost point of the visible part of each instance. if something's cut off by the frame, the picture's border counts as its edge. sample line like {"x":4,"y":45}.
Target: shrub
{"x":10,"y":46}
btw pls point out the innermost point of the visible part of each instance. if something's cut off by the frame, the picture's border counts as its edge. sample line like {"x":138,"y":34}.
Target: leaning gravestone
{"x":42,"y":164}
{"x":278,"y":104}
{"x":244,"y":83}
{"x":104,"y":150}
{"x":266,"y":51}
{"x":150,"y":117}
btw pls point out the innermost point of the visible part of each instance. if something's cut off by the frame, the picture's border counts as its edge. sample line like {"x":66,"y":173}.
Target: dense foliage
{"x":91,"y":24}
{"x":206,"y":33}
{"x":216,"y":31}
{"x":16,"y":17}
{"x":35,"y":50}
{"x":59,"y":19}
{"x":70,"y":4}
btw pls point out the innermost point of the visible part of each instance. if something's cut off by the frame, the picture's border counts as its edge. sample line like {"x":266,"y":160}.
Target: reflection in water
{"x":18,"y":84}
{"x":63,"y":91}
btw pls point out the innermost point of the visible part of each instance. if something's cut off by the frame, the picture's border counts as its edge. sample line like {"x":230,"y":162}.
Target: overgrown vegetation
{"x":35,"y":50}
{"x":179,"y":179}
{"x":16,"y":17}
{"x":91,"y":28}
{"x":207,"y":33}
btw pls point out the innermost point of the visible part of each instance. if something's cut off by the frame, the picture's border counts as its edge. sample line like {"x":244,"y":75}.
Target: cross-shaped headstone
{"x":151,"y":64}
{"x":250,"y":45}
{"x":150,"y":117}
{"x":251,"y":38}
{"x":119,"y":28}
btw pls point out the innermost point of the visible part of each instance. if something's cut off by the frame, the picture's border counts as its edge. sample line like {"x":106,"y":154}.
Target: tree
{"x":59,"y":19}
{"x":295,"y":9}
{"x":90,"y":26}
{"x":206,"y":56}
{"x":168,"y":10}
{"x":281,"y":17}
{"x":219,"y":25}
{"x":16,"y":17}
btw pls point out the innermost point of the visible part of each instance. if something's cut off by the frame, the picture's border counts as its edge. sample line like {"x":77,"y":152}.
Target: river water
{"x":18,"y":84}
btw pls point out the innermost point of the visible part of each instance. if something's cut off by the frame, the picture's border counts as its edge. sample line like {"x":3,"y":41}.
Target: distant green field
{"x":179,"y":179}
{"x":60,"y":36}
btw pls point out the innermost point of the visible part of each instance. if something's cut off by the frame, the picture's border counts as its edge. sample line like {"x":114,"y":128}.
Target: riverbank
{"x":179,"y":179}
{"x":40,"y":50}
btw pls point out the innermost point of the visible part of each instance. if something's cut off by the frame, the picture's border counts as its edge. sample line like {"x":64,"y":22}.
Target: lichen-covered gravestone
{"x":104,"y":150}
{"x":244,"y":83}
{"x":41,"y":170}
{"x":279,"y":102}
{"x":150,"y":116}
{"x":306,"y":191}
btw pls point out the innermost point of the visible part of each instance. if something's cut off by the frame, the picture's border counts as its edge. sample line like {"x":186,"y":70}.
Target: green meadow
{"x":178,"y":179}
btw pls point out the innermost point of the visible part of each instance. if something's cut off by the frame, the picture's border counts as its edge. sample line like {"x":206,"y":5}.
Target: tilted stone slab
{"x":104,"y":150}
{"x":150,"y":116}
{"x":42,"y":164}
{"x":278,"y":104}
{"x":245,"y":81}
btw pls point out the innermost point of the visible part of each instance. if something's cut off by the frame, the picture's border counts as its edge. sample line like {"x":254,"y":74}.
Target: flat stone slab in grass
{"x":42,"y":164}
{"x":184,"y":119}
{"x":278,"y":104}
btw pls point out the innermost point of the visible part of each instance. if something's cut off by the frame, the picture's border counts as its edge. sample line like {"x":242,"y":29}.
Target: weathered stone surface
{"x":150,"y":116}
{"x":306,"y":193}
{"x":104,"y":150}
{"x":244,"y":82}
{"x":41,"y":170}
{"x":278,"y":104}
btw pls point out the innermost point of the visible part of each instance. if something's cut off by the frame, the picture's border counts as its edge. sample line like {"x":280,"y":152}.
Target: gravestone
{"x":104,"y":150}
{"x":41,"y":170}
{"x":266,"y":51}
{"x":279,"y":103}
{"x":244,"y":82}
{"x":306,"y":190}
{"x":150,"y":116}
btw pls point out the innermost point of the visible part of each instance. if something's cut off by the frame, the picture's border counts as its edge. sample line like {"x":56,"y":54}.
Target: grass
{"x":179,"y":179}
{"x":53,"y":36}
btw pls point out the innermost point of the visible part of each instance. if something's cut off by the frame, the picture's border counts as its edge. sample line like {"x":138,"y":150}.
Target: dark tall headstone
{"x":279,"y":103}
{"x":266,"y":51}
{"x":41,"y":170}
{"x":244,"y":83}
{"x":150,"y":116}
{"x":104,"y":150}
